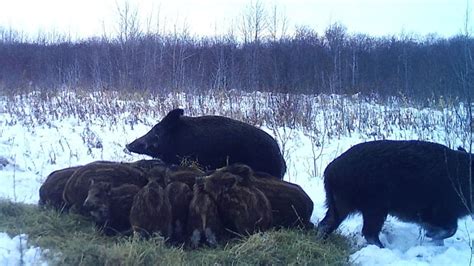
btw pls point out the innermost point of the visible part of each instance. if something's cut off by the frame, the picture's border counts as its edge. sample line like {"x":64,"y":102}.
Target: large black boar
{"x":212,"y":141}
{"x":416,"y":181}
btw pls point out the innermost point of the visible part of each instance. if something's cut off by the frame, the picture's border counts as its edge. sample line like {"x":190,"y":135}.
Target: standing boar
{"x":110,"y":206}
{"x":76,"y":188}
{"x":204,"y":224}
{"x":151,"y":211}
{"x":212,"y":141}
{"x":51,"y":191}
{"x":244,"y":209}
{"x":180,"y":196}
{"x":416,"y":181}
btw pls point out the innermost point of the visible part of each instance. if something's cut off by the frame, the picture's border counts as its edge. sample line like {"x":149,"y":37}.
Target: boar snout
{"x":136,"y":146}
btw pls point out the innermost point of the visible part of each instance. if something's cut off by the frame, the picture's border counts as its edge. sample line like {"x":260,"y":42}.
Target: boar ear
{"x":242,"y":170}
{"x":173,"y":116}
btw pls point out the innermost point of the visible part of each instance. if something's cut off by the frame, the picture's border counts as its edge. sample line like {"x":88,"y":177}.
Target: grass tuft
{"x":73,"y":240}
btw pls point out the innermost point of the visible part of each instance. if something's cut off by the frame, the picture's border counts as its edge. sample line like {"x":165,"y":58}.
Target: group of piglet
{"x":181,"y":203}
{"x":242,"y":189}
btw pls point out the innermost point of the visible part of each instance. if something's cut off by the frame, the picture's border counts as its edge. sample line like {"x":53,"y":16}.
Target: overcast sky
{"x":85,"y":18}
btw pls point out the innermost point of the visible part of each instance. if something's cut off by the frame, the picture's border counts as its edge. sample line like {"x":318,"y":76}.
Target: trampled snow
{"x":30,"y":150}
{"x":14,"y":251}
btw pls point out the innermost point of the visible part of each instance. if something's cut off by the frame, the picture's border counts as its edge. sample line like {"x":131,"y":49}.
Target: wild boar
{"x":417,"y":181}
{"x":211,"y":141}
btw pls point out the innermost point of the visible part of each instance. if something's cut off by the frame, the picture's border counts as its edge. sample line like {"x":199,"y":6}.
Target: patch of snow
{"x":14,"y":251}
{"x":32,"y":151}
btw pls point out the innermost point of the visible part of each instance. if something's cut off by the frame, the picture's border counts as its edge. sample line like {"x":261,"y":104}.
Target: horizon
{"x":76,"y":20}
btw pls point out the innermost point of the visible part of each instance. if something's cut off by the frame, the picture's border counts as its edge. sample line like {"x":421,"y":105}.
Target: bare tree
{"x":128,"y":34}
{"x":335,"y":36}
{"x":128,"y":23}
{"x":255,"y":54}
{"x":278,"y":24}
{"x":254,"y":22}
{"x":253,"y":25}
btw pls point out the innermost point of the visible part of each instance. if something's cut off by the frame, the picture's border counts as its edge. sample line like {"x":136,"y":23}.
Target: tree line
{"x":304,"y":62}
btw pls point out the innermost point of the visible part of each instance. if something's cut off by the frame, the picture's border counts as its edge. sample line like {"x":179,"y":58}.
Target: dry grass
{"x":72,"y":240}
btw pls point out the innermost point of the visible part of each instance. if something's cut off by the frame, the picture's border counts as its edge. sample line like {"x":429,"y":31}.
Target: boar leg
{"x":441,"y":223}
{"x":335,"y":215}
{"x":195,"y":238}
{"x":373,"y":221}
{"x":439,"y":233}
{"x":211,"y":238}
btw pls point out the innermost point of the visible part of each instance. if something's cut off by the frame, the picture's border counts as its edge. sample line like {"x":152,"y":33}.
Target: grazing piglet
{"x":416,"y":181}
{"x":110,"y":206}
{"x":151,"y":211}
{"x":77,"y":186}
{"x":184,"y":174}
{"x":291,"y":206}
{"x":180,"y":196}
{"x":51,"y":191}
{"x":204,"y":223}
{"x":152,"y":169}
{"x":147,"y":165}
{"x":244,"y":209}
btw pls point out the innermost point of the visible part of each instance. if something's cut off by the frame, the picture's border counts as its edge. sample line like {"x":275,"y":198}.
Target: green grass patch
{"x":73,"y":240}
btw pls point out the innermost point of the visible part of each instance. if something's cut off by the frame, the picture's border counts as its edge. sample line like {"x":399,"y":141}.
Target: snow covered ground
{"x":36,"y":140}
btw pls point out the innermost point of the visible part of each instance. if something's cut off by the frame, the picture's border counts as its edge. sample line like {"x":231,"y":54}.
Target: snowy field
{"x":39,"y":134}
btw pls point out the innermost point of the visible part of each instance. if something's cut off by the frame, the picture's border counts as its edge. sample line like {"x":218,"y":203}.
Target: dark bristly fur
{"x":75,"y":191}
{"x":180,"y":196}
{"x":291,"y":206}
{"x":51,"y":191}
{"x":146,"y":165}
{"x":416,"y":181}
{"x":151,"y":211}
{"x":152,"y":169}
{"x":184,"y":174}
{"x":244,"y":209}
{"x":110,"y":206}
{"x":212,"y":141}
{"x":204,"y":225}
